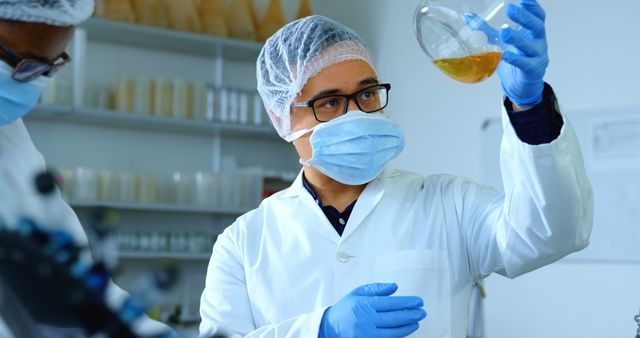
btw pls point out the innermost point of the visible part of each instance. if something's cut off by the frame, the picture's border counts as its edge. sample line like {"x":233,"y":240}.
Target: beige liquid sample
{"x":472,"y":68}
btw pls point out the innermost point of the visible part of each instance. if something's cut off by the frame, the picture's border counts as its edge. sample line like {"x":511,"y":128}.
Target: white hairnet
{"x":296,"y":53}
{"x":52,"y":12}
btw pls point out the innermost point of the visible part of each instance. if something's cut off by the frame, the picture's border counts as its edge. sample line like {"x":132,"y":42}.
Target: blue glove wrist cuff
{"x":526,"y":102}
{"x":322,"y":331}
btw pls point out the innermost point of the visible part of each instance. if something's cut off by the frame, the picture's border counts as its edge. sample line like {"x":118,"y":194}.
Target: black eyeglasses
{"x":369,"y":100}
{"x":25,"y":70}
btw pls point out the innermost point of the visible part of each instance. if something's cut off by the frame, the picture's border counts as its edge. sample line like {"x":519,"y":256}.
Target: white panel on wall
{"x":564,"y":300}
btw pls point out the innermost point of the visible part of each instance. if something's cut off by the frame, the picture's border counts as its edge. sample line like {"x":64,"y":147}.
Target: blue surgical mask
{"x":17,"y":98}
{"x":353,"y":149}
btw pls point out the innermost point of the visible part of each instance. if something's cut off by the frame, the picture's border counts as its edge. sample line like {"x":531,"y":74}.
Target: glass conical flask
{"x":239,"y":21}
{"x":212,"y":17}
{"x":304,"y":10}
{"x":461,"y":37}
{"x":272,"y":21}
{"x":150,"y":13}
{"x":183,"y":15}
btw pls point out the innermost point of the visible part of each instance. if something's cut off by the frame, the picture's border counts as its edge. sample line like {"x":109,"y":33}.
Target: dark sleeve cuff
{"x":539,"y":125}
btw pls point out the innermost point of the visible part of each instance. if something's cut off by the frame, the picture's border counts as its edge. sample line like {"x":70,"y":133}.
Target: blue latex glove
{"x":525,"y":59}
{"x":368,"y":311}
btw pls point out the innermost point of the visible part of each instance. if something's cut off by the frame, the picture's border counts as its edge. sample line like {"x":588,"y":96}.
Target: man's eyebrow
{"x":371,"y":80}
{"x":328,"y":92}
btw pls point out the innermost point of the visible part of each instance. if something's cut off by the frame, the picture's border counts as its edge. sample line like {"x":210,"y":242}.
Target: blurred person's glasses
{"x":369,"y":100}
{"x":29,"y":69}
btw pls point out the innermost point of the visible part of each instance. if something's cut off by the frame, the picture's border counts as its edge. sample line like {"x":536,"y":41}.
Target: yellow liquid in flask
{"x":472,"y":68}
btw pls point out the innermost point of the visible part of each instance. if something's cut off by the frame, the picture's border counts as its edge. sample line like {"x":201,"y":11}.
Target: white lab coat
{"x":19,"y":162}
{"x":277,"y":268}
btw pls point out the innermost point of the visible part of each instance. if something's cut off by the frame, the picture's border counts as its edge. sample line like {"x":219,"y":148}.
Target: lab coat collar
{"x":368,"y":200}
{"x":297,"y":186}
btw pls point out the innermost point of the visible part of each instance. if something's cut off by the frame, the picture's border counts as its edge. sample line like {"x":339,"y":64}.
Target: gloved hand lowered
{"x":370,"y":311}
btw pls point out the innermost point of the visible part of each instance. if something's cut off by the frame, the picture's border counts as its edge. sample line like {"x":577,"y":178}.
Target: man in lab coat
{"x":355,"y":248}
{"x":33,"y":37}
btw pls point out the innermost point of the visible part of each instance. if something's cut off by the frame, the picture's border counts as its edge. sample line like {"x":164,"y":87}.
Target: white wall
{"x":594,"y":65}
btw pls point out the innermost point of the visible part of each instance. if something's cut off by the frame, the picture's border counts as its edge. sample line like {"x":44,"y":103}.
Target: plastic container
{"x":161,"y":97}
{"x":183,"y":189}
{"x":304,"y":10}
{"x":97,"y":96}
{"x":141,"y":95}
{"x":124,"y":187}
{"x":212,"y":17}
{"x":206,"y":189}
{"x":119,"y":10}
{"x":58,"y":92}
{"x":67,"y":183}
{"x":123,"y":95}
{"x":180,"y":101}
{"x":460,"y":37}
{"x":240,"y":23}
{"x":230,"y":190}
{"x":251,"y":186}
{"x":145,"y":191}
{"x":255,"y":18}
{"x":258,"y":110}
{"x":273,"y":20}
{"x":198,"y":101}
{"x":243,"y":108}
{"x":150,"y":13}
{"x":183,"y":15}
{"x":85,"y":184}
{"x":106,"y":183}
{"x":234,"y":111}
{"x":132,"y":94}
{"x":213,"y":105}
{"x":223,"y":96}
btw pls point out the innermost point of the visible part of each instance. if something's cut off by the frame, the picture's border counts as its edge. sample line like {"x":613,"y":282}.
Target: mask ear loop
{"x":296,"y":135}
{"x":293,"y":137}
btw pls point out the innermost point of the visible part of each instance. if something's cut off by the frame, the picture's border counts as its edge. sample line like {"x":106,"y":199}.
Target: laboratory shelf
{"x":170,"y":40}
{"x":101,"y":117}
{"x":170,"y":208}
{"x":186,"y":256}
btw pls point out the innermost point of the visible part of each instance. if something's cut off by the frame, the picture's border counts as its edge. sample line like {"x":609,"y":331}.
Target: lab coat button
{"x":343,"y":257}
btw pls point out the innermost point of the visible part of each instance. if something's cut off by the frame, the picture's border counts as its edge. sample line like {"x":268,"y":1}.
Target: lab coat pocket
{"x":423,"y":273}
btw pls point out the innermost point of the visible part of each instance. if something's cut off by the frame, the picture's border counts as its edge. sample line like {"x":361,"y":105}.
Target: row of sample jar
{"x":171,"y":98}
{"x":239,"y":19}
{"x":174,"y":241}
{"x":239,"y":189}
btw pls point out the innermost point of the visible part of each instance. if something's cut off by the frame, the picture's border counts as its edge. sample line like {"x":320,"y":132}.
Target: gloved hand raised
{"x":369,"y":311}
{"x":525,"y":58}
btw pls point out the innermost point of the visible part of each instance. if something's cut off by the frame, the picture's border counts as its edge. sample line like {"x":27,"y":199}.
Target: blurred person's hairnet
{"x":296,"y":53}
{"x":51,"y":12}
